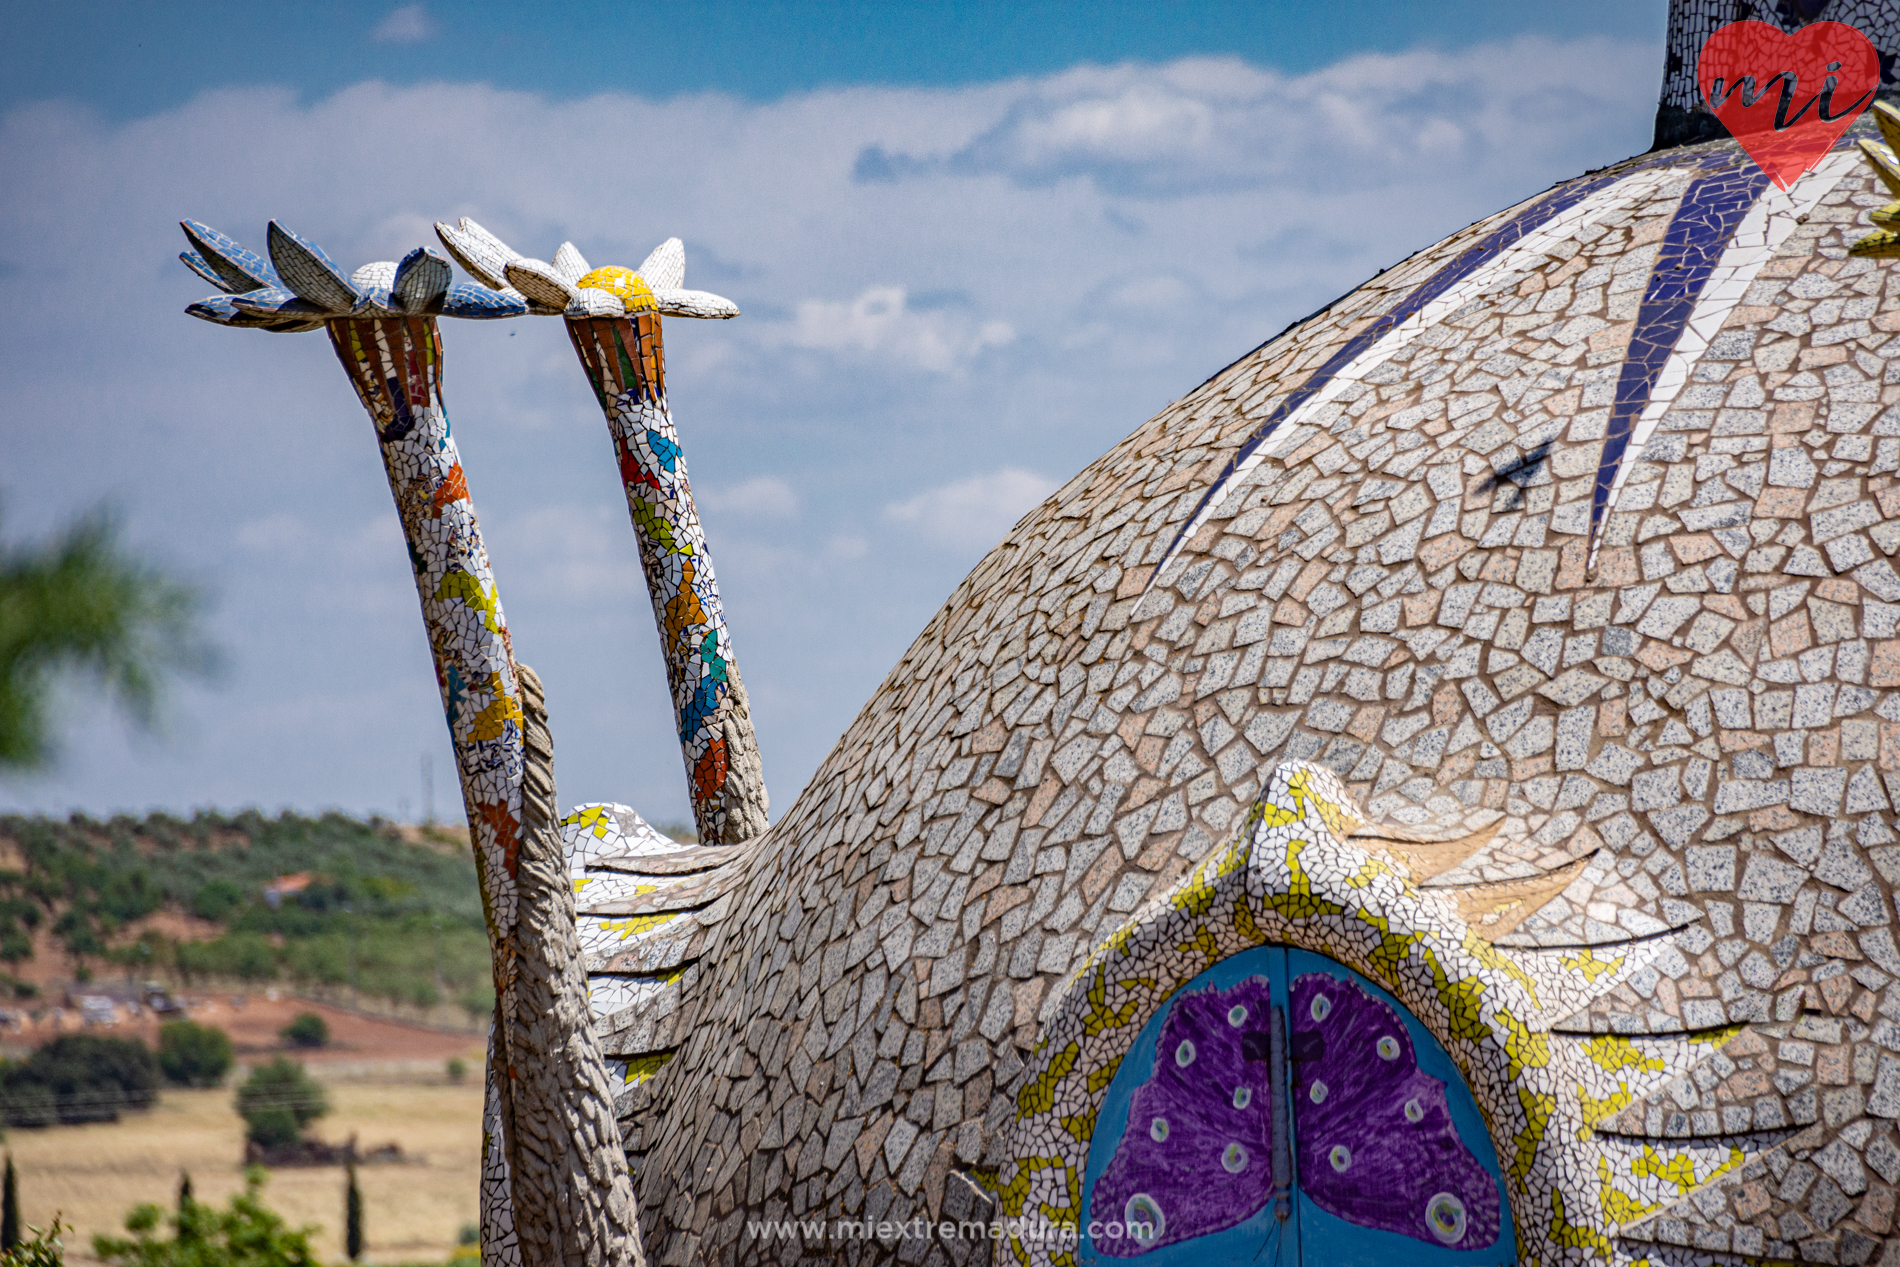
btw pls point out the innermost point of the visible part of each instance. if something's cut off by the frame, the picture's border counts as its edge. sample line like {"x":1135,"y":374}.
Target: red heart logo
{"x":1788,"y":98}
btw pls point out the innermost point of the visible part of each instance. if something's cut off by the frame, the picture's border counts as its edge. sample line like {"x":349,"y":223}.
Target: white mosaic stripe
{"x":1527,"y":253}
{"x":1763,"y":231}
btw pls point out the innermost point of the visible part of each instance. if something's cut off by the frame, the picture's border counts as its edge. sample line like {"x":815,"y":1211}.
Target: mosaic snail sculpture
{"x":1512,"y":649}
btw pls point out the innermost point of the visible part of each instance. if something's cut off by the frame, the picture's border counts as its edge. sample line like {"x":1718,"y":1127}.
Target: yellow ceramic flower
{"x":572,"y":288}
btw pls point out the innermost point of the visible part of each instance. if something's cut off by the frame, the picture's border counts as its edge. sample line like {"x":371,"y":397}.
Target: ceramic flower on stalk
{"x":299,"y":288}
{"x":613,"y":316}
{"x":550,"y":1119}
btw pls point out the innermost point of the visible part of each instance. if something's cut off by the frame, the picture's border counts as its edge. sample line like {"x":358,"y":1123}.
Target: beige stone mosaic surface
{"x":1687,"y":741}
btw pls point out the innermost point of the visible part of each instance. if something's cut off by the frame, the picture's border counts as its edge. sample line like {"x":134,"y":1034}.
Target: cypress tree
{"x":10,"y":1209}
{"x":187,"y":1208}
{"x":352,"y":1213}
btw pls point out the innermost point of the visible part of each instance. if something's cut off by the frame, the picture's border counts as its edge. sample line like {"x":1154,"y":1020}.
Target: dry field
{"x":93,"y":1175}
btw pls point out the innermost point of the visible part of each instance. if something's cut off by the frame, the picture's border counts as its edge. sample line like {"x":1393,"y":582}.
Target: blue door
{"x":1281,"y":1109}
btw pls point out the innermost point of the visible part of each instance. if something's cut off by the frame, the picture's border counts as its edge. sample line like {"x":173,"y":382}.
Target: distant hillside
{"x":396,"y":909}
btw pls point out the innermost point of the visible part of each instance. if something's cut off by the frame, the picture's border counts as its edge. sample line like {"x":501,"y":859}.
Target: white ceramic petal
{"x":541,"y":284}
{"x":306,"y":270}
{"x":485,"y":256}
{"x":589,"y":302}
{"x":570,"y":263}
{"x":665,"y":269}
{"x":694,"y":303}
{"x":382,"y":273}
{"x":422,"y":280}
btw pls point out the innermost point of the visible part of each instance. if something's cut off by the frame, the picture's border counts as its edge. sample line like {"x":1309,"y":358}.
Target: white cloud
{"x":973,"y":512}
{"x":1219,"y":123}
{"x":1122,"y":231}
{"x":881,"y":322}
{"x":410,"y":24}
{"x":571,"y":554}
{"x":762,"y":497}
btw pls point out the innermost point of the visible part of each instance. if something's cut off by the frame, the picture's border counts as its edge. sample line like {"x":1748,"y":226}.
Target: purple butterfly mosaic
{"x":1377,"y":1146}
{"x":1195,"y":1154}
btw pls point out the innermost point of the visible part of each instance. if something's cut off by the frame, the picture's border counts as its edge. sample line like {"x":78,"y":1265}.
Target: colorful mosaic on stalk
{"x":381,"y":323}
{"x":395,"y":367}
{"x":624,"y":361}
{"x":613,"y":317}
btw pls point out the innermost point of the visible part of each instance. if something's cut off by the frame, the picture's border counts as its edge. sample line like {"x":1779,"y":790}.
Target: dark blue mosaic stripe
{"x":1456,"y":270}
{"x":1711,"y":210}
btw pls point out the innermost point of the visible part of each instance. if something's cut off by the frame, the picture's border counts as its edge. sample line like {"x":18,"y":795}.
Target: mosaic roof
{"x":1564,"y":548}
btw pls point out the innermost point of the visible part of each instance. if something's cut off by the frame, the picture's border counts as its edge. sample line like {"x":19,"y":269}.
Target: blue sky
{"x":974,"y":246}
{"x":130,"y":59}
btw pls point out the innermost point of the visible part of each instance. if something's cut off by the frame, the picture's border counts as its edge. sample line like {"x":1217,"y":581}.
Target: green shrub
{"x":306,"y":1030}
{"x":275,"y":1092}
{"x":456,"y":1068}
{"x":28,"y":1104}
{"x":193,"y":1055}
{"x":272,"y":1128}
{"x":216,"y":899}
{"x":87,"y":1079}
{"x":248,"y":956}
{"x":246,"y":1234}
{"x":44,"y":1250}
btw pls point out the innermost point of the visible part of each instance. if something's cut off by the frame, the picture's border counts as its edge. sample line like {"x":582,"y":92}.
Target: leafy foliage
{"x":394,"y":910}
{"x":193,"y":1055}
{"x":246,"y":1234}
{"x":44,"y":1250}
{"x":306,"y":1029}
{"x":79,"y":1078}
{"x":278,"y":1100}
{"x":83,"y":603}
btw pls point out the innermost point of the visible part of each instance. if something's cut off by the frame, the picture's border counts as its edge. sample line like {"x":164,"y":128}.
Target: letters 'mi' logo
{"x":1788,"y":98}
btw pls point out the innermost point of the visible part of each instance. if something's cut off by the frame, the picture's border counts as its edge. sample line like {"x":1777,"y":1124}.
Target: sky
{"x":973,"y":245}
